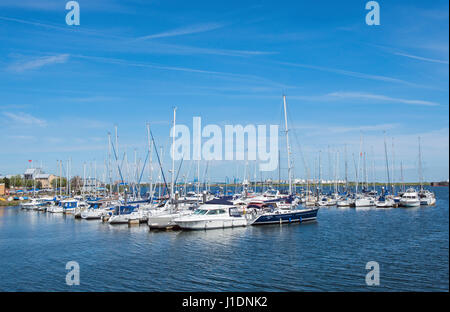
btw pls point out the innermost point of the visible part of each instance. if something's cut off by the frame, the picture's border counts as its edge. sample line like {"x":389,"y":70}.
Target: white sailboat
{"x":427,"y":198}
{"x":164,"y":218}
{"x":364,"y":201}
{"x":385,"y":201}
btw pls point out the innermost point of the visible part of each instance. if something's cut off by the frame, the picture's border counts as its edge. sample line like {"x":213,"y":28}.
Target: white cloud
{"x":426,"y":59}
{"x":379,"y":97}
{"x":352,"y":73}
{"x":21,"y":137}
{"x":25,"y":119}
{"x":325,"y":130}
{"x":39,"y":62}
{"x":173,"y":68}
{"x":193,"y":29}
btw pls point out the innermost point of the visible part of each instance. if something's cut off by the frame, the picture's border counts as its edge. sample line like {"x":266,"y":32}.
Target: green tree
{"x":7,"y":182}
{"x":29,"y":183}
{"x":16,"y":181}
{"x":58,"y":182}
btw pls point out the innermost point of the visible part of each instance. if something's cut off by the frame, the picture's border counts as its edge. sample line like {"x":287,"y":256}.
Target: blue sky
{"x":129,"y":62}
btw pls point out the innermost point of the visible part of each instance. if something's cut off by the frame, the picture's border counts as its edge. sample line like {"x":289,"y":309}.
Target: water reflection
{"x":410,"y":244}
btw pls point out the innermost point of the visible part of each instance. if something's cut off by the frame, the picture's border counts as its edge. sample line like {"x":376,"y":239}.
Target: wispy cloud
{"x":154,"y":47}
{"x":440,"y":47}
{"x":58,"y":5}
{"x":426,"y":59}
{"x":352,"y":73}
{"x":21,"y":137}
{"x":25,"y":119}
{"x":93,"y":99}
{"x":39,"y":62}
{"x":44,"y":5}
{"x":182,"y":49}
{"x":84,"y":30}
{"x":379,"y":97}
{"x":13,"y":106}
{"x":123,"y":62}
{"x":188,"y":30}
{"x":327,"y":129}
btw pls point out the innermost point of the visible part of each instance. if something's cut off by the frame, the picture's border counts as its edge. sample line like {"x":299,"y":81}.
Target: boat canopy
{"x":124,"y":209}
{"x":219,"y":201}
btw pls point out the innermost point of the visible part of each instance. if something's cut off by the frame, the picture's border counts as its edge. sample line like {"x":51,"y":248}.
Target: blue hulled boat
{"x":285,"y":216}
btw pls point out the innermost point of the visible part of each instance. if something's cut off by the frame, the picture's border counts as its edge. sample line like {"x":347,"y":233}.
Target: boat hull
{"x":120,"y":219}
{"x":165,"y":221}
{"x":211,"y":224}
{"x":364,"y":202}
{"x":91,"y":215}
{"x":289,"y":217}
{"x":428,"y":202}
{"x":410,"y":204}
{"x":55,"y":209}
{"x":385,"y":204}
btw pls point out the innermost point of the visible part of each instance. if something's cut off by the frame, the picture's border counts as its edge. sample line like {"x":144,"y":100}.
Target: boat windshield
{"x":200,"y":212}
{"x":234,"y":212}
{"x":216,"y":211}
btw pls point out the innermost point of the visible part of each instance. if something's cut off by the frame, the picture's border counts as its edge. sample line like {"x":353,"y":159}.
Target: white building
{"x":31,"y":173}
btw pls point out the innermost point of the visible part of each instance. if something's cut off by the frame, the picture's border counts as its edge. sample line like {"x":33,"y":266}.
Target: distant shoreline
{"x":5,"y":203}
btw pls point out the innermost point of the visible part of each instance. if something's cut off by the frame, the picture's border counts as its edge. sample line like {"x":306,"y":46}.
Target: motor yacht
{"x":212,"y":216}
{"x":410,"y":198}
{"x":427,"y":198}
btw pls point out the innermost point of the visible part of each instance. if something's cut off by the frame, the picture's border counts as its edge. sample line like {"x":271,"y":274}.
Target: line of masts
{"x":361,"y":170}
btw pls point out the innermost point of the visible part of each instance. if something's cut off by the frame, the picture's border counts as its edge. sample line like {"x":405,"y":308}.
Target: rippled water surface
{"x":411,"y":246}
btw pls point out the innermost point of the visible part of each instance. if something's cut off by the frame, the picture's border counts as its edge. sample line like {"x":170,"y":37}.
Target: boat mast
{"x":109,"y":164}
{"x":346,"y":170}
{"x":150,"y":168}
{"x":172,"y":188}
{"x":34,"y":183}
{"x":330,"y":170}
{"x":420,"y":167}
{"x":279,"y":171}
{"x":315,"y":177}
{"x":60,"y":178}
{"x":393,"y":168}
{"x":198,"y":179}
{"x":337,"y":173}
{"x":287,"y":146}
{"x":56,"y":182}
{"x":136,"y":173}
{"x":95,"y":179}
{"x":373,"y":170}
{"x":84,"y":179}
{"x":105,"y":168}
{"x":387,"y":162}
{"x":118,"y":155}
{"x":365,"y":172}
{"x":70,"y":175}
{"x":67,"y":179}
{"x":359,"y":163}
{"x":159,"y":174}
{"x":401,"y":176}
{"x":319,"y":180}
{"x":255,"y":177}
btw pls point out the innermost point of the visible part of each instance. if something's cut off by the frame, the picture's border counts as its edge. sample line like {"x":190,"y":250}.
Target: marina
{"x":252,"y":152}
{"x":327,"y":255}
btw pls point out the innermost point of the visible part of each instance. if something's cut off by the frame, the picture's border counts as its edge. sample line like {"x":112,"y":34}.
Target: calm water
{"x":411,"y":246}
